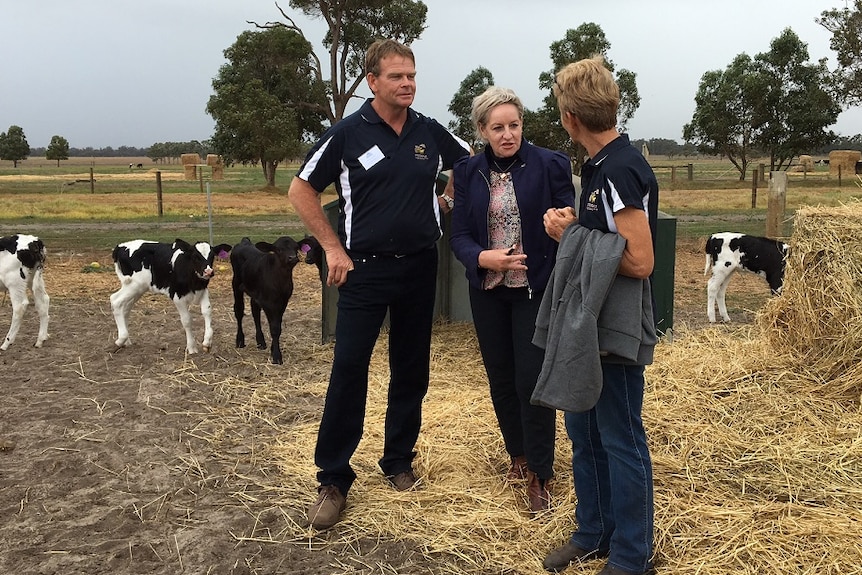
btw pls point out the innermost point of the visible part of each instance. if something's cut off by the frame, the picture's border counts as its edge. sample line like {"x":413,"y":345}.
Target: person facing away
{"x":611,"y":464}
{"x":497,"y":232}
{"x":383,"y":160}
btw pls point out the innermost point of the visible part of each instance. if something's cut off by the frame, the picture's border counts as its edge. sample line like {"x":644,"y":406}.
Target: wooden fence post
{"x":777,"y":204}
{"x":159,"y":191}
{"x":690,"y":172}
{"x":92,"y":182}
{"x":753,"y":189}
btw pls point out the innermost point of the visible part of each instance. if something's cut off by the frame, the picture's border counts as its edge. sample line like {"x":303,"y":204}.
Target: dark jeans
{"x":505,"y":319}
{"x":612,"y":471}
{"x":405,"y":287}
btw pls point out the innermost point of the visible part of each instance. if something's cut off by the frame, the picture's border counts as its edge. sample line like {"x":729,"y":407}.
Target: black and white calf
{"x":264,"y":272}
{"x":727,"y":252}
{"x":22,"y":258}
{"x":180,"y":270}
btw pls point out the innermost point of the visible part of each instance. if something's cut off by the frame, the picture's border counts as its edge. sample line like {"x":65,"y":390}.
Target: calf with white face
{"x":727,"y":252}
{"x":22,"y":258}
{"x":179,"y":270}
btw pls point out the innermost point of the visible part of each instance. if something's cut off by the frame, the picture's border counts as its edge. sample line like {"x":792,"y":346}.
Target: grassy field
{"x":60,"y":204}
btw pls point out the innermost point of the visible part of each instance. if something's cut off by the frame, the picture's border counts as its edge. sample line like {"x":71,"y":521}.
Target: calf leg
{"x":207,"y":313}
{"x":182,"y":305}
{"x":238,"y":312}
{"x":274,"y":319}
{"x":18,"y":297}
{"x":715,"y":290}
{"x":122,"y":302}
{"x":258,"y":330}
{"x":722,"y":291}
{"x":42,"y":301}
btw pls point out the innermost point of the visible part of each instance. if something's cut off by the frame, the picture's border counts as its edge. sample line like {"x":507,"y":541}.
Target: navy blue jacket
{"x":543,"y":179}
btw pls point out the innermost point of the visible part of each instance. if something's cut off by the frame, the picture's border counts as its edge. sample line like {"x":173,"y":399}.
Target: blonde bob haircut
{"x":586,"y":89}
{"x":487,"y":101}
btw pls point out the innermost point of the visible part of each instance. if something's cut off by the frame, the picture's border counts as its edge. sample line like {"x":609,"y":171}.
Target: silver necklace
{"x":507,"y":168}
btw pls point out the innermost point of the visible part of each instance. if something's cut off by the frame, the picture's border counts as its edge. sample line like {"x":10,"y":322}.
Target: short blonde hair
{"x":587,"y":89}
{"x":490,"y":99}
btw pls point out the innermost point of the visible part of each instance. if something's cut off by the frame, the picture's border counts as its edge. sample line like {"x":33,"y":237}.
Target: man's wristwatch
{"x":450,"y":201}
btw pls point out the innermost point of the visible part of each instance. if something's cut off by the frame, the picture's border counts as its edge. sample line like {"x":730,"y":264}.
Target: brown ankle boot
{"x":537,"y":493}
{"x":518,"y":469}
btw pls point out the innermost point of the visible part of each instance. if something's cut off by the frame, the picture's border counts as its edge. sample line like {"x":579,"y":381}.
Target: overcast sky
{"x":113,"y":73}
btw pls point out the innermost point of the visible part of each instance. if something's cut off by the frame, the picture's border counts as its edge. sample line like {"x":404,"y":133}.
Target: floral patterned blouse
{"x":504,"y":229}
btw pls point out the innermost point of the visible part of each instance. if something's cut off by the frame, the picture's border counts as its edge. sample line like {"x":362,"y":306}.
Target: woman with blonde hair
{"x":501,"y":196}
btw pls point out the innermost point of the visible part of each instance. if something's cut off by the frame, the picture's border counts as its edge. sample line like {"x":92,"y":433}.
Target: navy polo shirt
{"x":386,"y":183}
{"x":617,"y":177}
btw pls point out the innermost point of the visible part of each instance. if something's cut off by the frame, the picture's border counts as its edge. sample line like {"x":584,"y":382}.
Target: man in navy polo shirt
{"x":384,"y":160}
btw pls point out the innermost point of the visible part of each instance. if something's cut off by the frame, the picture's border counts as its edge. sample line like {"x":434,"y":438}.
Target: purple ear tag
{"x":305,"y":248}
{"x":222,"y":254}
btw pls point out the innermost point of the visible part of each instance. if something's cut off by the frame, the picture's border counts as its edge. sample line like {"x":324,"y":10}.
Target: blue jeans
{"x":612,"y":472}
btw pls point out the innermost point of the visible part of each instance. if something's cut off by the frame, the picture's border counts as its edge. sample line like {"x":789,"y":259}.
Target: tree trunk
{"x":269,"y":172}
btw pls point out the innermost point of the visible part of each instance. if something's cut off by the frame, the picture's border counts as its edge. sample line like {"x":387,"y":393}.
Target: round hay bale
{"x":214,"y":160}
{"x":845,"y":160}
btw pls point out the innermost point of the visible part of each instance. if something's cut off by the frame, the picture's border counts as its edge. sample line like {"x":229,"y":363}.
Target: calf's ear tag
{"x":305,"y":248}
{"x":222,"y":254}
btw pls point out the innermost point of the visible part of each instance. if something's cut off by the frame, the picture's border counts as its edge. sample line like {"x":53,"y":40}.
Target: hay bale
{"x":191,"y":171}
{"x":214,"y":160}
{"x":846,"y":160}
{"x":218,"y":172}
{"x":805,"y":164}
{"x":190,"y":159}
{"x":819,"y":313}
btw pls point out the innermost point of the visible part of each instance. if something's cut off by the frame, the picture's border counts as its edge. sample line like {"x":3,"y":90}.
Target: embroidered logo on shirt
{"x":593,"y":201}
{"x":419,"y":152}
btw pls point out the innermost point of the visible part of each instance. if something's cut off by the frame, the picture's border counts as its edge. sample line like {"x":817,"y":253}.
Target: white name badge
{"x":371,"y":157}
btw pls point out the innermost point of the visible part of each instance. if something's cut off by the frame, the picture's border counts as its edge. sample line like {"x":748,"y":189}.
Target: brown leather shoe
{"x":562,"y":557}
{"x":326,"y":511}
{"x":402,"y":481}
{"x":537,"y":493}
{"x":518,"y":469}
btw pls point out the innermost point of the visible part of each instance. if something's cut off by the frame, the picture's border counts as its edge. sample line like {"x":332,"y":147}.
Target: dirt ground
{"x":108,"y":461}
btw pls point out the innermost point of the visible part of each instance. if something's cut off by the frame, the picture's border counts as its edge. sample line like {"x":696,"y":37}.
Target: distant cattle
{"x":264,"y":272}
{"x":728,"y":252}
{"x":22,"y":258}
{"x":180,"y":271}
{"x":135,"y":166}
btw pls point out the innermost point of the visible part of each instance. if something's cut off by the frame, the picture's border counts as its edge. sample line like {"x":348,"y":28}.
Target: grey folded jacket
{"x":589,"y":314}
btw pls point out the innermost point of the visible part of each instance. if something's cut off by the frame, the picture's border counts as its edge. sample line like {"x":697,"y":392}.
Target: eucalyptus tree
{"x":58,"y":149}
{"x":13,"y":145}
{"x":846,"y":27}
{"x":351,"y":27}
{"x":262,"y":100}
{"x":461,"y":104}
{"x":543,"y":126}
{"x":798,"y":105}
{"x":725,"y":116}
{"x":775,"y":103}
